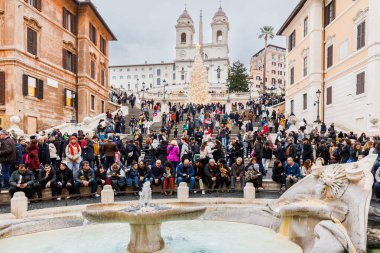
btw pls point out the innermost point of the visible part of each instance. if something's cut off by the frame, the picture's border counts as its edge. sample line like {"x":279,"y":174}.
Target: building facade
{"x":177,"y":74}
{"x":275,"y":70}
{"x":53,"y":53}
{"x":333,"y":46}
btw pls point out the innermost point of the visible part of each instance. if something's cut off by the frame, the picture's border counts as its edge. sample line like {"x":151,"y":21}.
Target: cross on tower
{"x":220,"y":3}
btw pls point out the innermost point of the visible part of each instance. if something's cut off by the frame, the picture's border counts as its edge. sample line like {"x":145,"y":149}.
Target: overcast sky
{"x":145,"y":28}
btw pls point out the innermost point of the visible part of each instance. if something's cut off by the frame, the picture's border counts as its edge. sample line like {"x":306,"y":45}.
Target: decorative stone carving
{"x":15,"y":120}
{"x":360,"y":15}
{"x":32,"y":23}
{"x":332,"y":183}
{"x":69,"y":46}
{"x":93,"y":56}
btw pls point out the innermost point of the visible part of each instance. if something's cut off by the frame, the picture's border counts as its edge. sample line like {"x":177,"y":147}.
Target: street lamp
{"x":73,"y":118}
{"x":143,"y":90}
{"x":228,"y":90}
{"x":164,"y":82}
{"x":318,"y":94}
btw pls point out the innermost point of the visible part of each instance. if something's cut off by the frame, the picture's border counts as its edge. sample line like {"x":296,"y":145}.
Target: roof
{"x":142,"y":65}
{"x":220,"y":12}
{"x":185,"y":14}
{"x":291,"y":16}
{"x":93,"y":7}
{"x":270,"y":45}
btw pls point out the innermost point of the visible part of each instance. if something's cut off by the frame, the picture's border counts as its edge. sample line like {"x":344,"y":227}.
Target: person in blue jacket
{"x":292,"y":172}
{"x":185,"y":173}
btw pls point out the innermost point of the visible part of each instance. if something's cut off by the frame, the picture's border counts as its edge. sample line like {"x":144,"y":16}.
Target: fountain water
{"x":145,"y":219}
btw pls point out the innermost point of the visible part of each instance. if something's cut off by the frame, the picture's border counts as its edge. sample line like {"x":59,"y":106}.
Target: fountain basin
{"x":145,"y":223}
{"x":180,"y":236}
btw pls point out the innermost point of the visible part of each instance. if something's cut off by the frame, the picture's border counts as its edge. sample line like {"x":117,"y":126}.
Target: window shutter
{"x":330,"y":52}
{"x":2,"y":88}
{"x":34,"y":42}
{"x":25,"y":85}
{"x":38,"y":5}
{"x":29,"y":40}
{"x":74,"y":63}
{"x":64,"y":58}
{"x":64,"y":97}
{"x":91,"y":35}
{"x":40,"y":89}
{"x":74,"y":27}
{"x":329,"y":96}
{"x":64,"y":18}
{"x":363,"y":34}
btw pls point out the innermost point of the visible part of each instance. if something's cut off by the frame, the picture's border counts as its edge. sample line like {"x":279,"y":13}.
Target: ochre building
{"x":53,"y":62}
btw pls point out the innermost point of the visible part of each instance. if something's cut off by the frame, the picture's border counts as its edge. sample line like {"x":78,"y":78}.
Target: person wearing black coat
{"x":64,"y":179}
{"x":279,"y":173}
{"x":345,"y":152}
{"x":161,"y":151}
{"x":157,"y":171}
{"x":43,"y":151}
{"x":291,"y":149}
{"x":150,"y":156}
{"x":88,"y":154}
{"x":323,"y":152}
{"x":47,"y":179}
{"x":307,"y":150}
{"x":132,"y":152}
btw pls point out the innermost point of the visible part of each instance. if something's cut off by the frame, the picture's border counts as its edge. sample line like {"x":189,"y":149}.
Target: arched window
{"x":183,"y":38}
{"x":219,"y":36}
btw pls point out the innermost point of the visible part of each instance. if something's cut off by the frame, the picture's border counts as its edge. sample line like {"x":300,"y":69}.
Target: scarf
{"x":72,"y":148}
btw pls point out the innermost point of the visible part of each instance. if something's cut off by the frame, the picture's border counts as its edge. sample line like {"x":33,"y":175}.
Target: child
{"x":175,"y":132}
{"x":168,"y":178}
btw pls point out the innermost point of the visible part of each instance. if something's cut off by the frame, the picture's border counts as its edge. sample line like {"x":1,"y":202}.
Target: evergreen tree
{"x":238,"y":78}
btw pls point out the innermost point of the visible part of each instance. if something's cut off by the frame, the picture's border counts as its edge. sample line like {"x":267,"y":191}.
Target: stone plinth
{"x":19,"y":205}
{"x":249,"y":192}
{"x":183,"y":192}
{"x":107,"y":195}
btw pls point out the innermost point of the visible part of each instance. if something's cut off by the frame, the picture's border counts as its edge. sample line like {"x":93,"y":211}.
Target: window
{"x":279,"y":73}
{"x":279,"y":81}
{"x":69,"y":61}
{"x":93,"y":69}
{"x":292,"y":41}
{"x":360,"y":83}
{"x":143,"y":76}
{"x":292,"y":107}
{"x":68,"y":98}
{"x":280,"y":65}
{"x":92,"y":103}
{"x":150,"y":68}
{"x":158,"y":72}
{"x":128,"y":77}
{"x":93,"y":33}
{"x":305,"y":66}
{"x":69,"y":21}
{"x":150,"y":75}
{"x":273,"y":64}
{"x":273,"y":81}
{"x":305,"y":26}
{"x":35,"y":3}
{"x":173,"y":76}
{"x":329,"y":13}
{"x":183,"y":38}
{"x":219,"y":36}
{"x":343,"y":50}
{"x":121,"y":77}
{"x":330,"y":54}
{"x":158,"y":81}
{"x":2,"y":88}
{"x":360,"y":36}
{"x":102,"y":77}
{"x":32,"y":87}
{"x":258,"y":78}
{"x":274,"y":72}
{"x":182,"y":77}
{"x":32,"y":41}
{"x":114,"y":77}
{"x":305,"y":101}
{"x":103,"y":45}
{"x":292,"y":75}
{"x":102,"y":107}
{"x":329,"y":96}
{"x":127,"y":70}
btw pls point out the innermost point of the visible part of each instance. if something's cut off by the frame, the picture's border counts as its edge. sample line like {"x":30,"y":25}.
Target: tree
{"x":266,"y":32}
{"x":238,"y":78}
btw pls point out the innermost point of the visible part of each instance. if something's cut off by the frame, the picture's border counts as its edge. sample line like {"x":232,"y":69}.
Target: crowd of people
{"x":206,"y":146}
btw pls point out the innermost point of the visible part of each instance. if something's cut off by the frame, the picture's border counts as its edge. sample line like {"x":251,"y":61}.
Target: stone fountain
{"x":145,"y":219}
{"x":328,"y":210}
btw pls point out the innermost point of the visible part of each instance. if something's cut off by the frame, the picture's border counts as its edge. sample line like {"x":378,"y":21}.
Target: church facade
{"x":176,"y":75}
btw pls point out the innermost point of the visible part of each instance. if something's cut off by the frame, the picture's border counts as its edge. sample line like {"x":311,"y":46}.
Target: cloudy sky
{"x":145,"y":28}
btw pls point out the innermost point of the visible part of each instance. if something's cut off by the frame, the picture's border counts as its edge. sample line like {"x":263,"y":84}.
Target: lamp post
{"x":318,"y":94}
{"x":73,"y":118}
{"x":228,"y":90}
{"x":143,"y":90}
{"x":164,"y":82}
